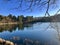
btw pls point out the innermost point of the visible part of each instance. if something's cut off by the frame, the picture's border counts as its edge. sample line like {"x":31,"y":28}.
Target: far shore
{"x":8,"y":23}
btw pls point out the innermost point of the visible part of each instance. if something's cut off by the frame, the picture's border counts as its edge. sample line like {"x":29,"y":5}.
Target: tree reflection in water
{"x":17,"y":39}
{"x":55,"y":26}
{"x":26,"y":41}
{"x":12,"y":27}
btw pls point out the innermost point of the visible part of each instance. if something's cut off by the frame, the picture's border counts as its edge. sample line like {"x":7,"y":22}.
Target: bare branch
{"x":35,"y":3}
{"x":57,"y":12}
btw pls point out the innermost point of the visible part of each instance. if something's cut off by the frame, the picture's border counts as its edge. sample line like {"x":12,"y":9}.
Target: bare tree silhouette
{"x":29,"y":4}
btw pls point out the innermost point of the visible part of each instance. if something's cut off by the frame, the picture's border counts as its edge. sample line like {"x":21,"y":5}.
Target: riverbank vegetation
{"x":10,"y":19}
{"x":13,"y":19}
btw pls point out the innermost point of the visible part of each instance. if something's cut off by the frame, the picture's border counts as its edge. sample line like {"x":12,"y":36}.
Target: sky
{"x":7,"y":8}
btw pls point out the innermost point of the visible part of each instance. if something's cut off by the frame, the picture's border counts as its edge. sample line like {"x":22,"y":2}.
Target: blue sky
{"x":7,"y":8}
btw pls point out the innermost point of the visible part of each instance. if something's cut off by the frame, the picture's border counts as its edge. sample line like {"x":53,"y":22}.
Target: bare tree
{"x":31,"y":4}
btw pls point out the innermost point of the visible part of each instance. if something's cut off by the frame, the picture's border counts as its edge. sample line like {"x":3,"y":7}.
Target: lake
{"x":41,"y":33}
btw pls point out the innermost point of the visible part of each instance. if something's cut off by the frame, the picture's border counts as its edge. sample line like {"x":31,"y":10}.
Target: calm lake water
{"x":47,"y":33}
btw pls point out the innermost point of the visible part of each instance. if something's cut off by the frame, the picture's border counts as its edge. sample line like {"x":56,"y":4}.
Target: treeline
{"x":28,"y":19}
{"x":20,"y":19}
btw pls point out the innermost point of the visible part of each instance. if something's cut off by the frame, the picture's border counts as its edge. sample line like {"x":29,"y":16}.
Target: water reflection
{"x":25,"y":41}
{"x":14,"y":27}
{"x":40,"y":34}
{"x":56,"y":26}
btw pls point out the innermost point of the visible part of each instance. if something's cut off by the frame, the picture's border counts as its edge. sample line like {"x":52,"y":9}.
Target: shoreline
{"x":9,"y":23}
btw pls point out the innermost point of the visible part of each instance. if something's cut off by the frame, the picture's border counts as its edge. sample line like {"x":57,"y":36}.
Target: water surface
{"x":47,"y":33}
